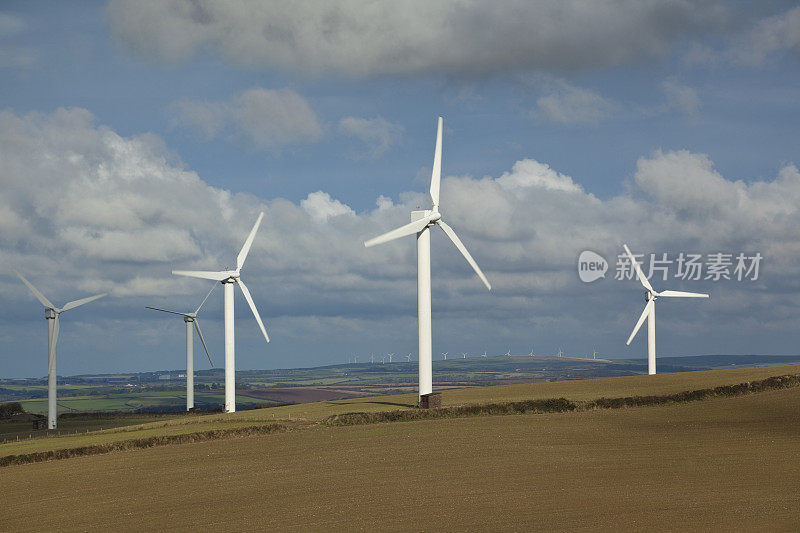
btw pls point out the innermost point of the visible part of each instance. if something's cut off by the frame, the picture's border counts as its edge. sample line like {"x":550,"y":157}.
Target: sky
{"x":141,"y":137}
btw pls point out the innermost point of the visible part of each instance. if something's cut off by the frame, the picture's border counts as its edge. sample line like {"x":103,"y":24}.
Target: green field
{"x":719,"y":464}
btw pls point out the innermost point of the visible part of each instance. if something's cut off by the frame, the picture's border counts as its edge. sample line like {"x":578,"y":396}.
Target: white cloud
{"x":89,"y":210}
{"x":566,"y":104}
{"x":680,"y":97}
{"x":360,"y":38}
{"x":321,"y":206}
{"x":378,"y":133}
{"x":267,"y":119}
{"x":771,"y":35}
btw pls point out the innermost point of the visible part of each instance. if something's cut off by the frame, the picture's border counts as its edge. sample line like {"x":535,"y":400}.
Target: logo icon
{"x":591,"y":266}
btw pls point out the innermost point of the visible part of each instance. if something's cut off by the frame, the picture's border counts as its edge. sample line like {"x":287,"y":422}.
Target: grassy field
{"x":718,"y":464}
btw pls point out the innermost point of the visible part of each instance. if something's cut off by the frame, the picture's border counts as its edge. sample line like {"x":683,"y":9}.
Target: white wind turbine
{"x":444,"y":356}
{"x":408,"y":358}
{"x":51,"y":313}
{"x":228,"y":278}
{"x":650,"y":311}
{"x":464,"y":354}
{"x":191,"y":320}
{"x":421,"y":222}
{"x":484,"y":354}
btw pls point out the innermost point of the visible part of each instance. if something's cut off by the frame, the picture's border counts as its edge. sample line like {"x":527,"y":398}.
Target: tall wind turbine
{"x":421,"y":222}
{"x":191,"y":320}
{"x":650,"y":311}
{"x":51,"y":313}
{"x":228,"y":278}
{"x":444,"y":356}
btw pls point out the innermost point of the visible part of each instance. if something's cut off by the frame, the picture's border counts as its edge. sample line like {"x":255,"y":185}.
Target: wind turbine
{"x":51,"y":313}
{"x":560,"y":352}
{"x":484,"y":354}
{"x":390,"y":357}
{"x":531,"y":354}
{"x":594,"y":354}
{"x":408,"y":358}
{"x":191,"y":319}
{"x":508,"y":353}
{"x":464,"y":354}
{"x":421,"y":222}
{"x":444,"y":356}
{"x":228,"y":278}
{"x":650,"y":311}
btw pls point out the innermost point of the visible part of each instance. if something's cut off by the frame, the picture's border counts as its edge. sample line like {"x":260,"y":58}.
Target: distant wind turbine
{"x":508,"y":353}
{"x":421,"y":222}
{"x":560,"y":352}
{"x":464,"y":354}
{"x":649,"y":312}
{"x":408,"y":358}
{"x":390,"y":357}
{"x":228,"y":278}
{"x":484,"y":354}
{"x":191,"y":320}
{"x":51,"y":313}
{"x":444,"y":356}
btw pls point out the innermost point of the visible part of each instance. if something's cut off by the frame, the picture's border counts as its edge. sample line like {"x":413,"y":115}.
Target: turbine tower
{"x":444,"y":356}
{"x":51,"y":313}
{"x":650,"y":311}
{"x":228,"y":278}
{"x":421,"y":222}
{"x":191,"y":320}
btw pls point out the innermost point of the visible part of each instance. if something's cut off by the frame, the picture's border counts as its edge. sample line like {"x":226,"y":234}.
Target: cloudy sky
{"x":138,"y":137}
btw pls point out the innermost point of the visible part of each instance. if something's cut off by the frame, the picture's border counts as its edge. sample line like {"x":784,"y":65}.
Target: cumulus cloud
{"x":321,"y":206}
{"x":85,"y":209}
{"x":377,"y":133}
{"x":681,"y":98}
{"x":359,"y":38}
{"x":267,"y":119}
{"x":567,"y":104}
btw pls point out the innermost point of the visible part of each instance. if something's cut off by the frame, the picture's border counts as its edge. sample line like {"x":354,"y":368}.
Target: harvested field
{"x":719,"y":464}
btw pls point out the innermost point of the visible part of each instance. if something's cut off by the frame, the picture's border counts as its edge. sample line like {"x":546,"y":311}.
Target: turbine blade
{"x":463,"y":249}
{"x":166,"y":310}
{"x":436,"y":173}
{"x":206,"y":298}
{"x":204,"y":274}
{"x":639,"y":272}
{"x":402,"y":231}
{"x":77,"y":303}
{"x":200,"y":333}
{"x":246,"y":248}
{"x":252,"y":305}
{"x":35,"y":291}
{"x":647,"y":310}
{"x":681,"y":294}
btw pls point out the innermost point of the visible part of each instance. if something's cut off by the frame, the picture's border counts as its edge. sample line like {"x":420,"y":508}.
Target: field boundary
{"x":556,"y":405}
{"x":147,"y":442}
{"x":551,"y":405}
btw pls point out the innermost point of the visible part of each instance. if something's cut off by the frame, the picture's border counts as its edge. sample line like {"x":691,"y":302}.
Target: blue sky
{"x":137,"y":137}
